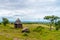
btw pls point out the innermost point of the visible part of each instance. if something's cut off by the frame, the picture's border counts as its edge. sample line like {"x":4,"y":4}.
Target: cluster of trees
{"x":54,"y":21}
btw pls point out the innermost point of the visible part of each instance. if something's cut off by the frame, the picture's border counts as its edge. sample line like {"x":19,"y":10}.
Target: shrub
{"x":57,"y":25}
{"x":25,"y":34}
{"x":38,"y":29}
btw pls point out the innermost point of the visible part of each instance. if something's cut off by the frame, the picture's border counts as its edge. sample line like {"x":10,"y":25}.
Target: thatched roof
{"x":18,"y":21}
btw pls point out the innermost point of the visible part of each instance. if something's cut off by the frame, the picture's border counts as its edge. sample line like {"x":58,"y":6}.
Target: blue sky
{"x":29,"y":10}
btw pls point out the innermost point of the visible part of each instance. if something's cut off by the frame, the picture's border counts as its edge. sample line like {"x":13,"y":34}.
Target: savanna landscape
{"x":37,"y":30}
{"x":29,"y":19}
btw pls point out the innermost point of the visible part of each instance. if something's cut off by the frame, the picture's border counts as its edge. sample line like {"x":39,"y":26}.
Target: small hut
{"x":18,"y":24}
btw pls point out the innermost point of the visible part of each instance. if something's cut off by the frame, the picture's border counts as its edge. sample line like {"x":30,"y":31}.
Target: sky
{"x":29,"y":10}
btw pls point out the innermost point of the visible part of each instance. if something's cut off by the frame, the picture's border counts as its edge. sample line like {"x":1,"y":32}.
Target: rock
{"x":25,"y":30}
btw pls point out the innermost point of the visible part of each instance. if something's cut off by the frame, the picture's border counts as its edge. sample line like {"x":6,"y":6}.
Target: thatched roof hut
{"x":18,"y":24}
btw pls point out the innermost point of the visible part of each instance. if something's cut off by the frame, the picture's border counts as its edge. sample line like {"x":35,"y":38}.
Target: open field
{"x":10,"y":33}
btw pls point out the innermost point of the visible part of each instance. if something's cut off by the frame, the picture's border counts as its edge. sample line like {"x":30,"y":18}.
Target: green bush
{"x":57,"y":25}
{"x":38,"y":29}
{"x":25,"y":34}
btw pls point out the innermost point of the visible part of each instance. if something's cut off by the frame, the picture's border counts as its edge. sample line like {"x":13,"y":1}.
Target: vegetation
{"x":5,"y":21}
{"x":52,"y":20}
{"x":57,"y":25}
{"x":9,"y":33}
{"x":38,"y":30}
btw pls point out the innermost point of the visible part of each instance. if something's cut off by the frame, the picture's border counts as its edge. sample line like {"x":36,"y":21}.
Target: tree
{"x":52,"y":20}
{"x":57,"y":25}
{"x":5,"y":21}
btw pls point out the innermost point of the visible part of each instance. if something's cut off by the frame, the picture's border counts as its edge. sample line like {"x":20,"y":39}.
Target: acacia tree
{"x":52,"y":20}
{"x":5,"y":21}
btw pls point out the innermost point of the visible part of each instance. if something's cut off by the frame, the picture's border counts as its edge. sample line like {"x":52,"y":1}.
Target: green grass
{"x":9,"y":33}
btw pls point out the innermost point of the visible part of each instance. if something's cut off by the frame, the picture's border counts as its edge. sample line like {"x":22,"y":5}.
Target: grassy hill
{"x":10,"y":33}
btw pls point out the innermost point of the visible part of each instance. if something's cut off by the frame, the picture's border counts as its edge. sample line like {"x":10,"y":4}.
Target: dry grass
{"x":9,"y":33}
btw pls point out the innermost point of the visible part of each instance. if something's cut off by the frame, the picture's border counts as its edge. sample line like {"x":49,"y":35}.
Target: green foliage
{"x":52,"y":20}
{"x":57,"y":25}
{"x":25,"y":34}
{"x":5,"y":21}
{"x":38,"y":29}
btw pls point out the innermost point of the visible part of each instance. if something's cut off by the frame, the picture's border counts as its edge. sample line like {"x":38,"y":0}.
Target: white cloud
{"x":28,"y":9}
{"x":41,"y":0}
